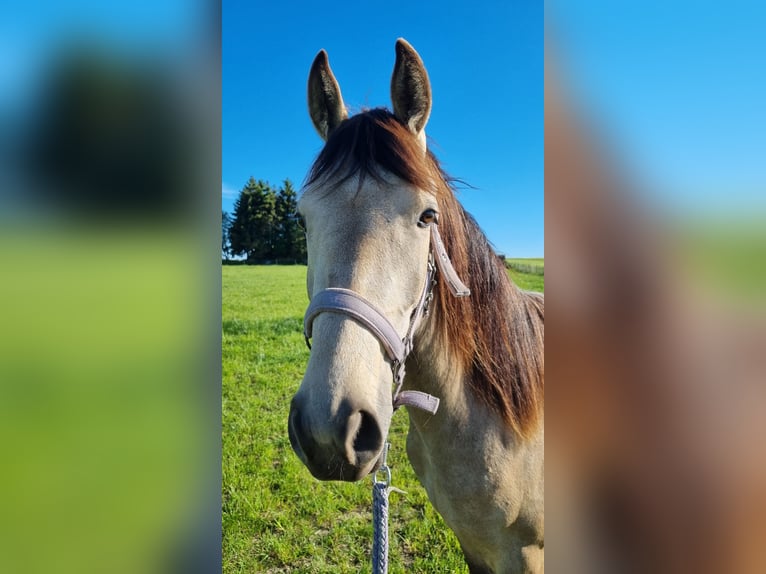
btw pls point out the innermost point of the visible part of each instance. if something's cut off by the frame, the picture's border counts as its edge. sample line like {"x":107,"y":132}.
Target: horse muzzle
{"x":347,"y":447}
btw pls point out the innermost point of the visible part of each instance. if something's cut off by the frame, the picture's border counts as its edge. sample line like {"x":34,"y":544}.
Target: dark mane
{"x":497,"y":332}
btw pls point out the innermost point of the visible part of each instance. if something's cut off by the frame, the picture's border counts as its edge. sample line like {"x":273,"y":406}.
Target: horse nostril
{"x":368,"y":437}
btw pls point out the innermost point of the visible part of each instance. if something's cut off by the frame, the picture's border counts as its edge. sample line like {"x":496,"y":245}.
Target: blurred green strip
{"x":99,"y":398}
{"x":727,"y":258}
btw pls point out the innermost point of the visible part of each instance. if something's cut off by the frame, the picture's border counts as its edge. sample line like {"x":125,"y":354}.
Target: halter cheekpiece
{"x":348,"y":302}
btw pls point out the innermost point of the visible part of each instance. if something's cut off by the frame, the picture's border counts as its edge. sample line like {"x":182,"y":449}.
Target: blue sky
{"x":679,"y":89}
{"x":485,"y":62}
{"x":33,"y":32}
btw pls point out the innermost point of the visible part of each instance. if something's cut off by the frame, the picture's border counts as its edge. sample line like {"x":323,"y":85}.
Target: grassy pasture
{"x":538,"y":261}
{"x":529,"y":281}
{"x":276,"y":516}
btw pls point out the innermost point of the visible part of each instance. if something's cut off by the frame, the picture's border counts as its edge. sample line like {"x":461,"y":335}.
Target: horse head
{"x":368,"y":205}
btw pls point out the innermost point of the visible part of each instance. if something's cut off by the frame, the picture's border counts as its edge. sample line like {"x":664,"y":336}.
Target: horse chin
{"x":341,"y":472}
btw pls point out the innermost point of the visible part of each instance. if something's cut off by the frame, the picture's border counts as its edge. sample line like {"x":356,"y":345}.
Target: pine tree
{"x":291,"y":241}
{"x":226,"y":222}
{"x":253,"y":231}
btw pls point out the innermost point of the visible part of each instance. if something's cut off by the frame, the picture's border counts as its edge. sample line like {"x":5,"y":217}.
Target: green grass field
{"x":528,"y":260}
{"x":531,"y":282}
{"x":276,"y":516}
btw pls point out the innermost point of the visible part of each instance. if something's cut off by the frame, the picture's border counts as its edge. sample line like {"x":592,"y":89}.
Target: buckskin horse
{"x":400,"y":276}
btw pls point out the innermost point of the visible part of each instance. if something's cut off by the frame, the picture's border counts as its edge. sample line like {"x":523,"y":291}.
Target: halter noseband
{"x":348,"y":302}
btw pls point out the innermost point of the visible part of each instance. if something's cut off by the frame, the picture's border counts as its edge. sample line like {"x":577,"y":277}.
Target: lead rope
{"x":380,"y":528}
{"x":381,"y":488}
{"x":380,"y":491}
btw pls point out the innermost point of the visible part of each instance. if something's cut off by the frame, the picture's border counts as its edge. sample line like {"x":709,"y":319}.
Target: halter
{"x":348,"y":302}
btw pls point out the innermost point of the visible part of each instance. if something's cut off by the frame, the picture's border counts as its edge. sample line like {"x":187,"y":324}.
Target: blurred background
{"x":110,"y":286}
{"x":656,"y":286}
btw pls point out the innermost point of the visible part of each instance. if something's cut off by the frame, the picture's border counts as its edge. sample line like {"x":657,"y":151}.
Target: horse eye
{"x":428,"y":217}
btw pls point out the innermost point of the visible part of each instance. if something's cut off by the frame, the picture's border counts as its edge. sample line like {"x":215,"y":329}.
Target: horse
{"x":389,"y":246}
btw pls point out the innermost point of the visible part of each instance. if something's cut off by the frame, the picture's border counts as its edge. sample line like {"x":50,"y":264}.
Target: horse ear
{"x":325,"y":101}
{"x":410,"y":88}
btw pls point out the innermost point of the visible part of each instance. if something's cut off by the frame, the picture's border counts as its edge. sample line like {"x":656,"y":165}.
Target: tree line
{"x":264,"y":227}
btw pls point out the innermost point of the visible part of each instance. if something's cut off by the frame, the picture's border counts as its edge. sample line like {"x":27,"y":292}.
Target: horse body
{"x":369,"y":201}
{"x":485,"y":479}
{"x":485,"y":482}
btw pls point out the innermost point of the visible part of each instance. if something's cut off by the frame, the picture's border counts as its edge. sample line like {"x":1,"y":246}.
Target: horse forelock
{"x":373,"y":143}
{"x":497,"y":332}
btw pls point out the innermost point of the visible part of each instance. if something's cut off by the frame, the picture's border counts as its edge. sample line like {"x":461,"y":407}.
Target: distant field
{"x":528,"y":260}
{"x":518,"y":270}
{"x":276,"y":517}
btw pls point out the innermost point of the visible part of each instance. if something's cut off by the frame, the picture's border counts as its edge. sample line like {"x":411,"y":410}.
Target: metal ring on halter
{"x":383,"y":467}
{"x":387,"y":481}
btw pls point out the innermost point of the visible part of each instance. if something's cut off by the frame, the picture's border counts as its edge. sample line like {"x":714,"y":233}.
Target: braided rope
{"x":380,"y":492}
